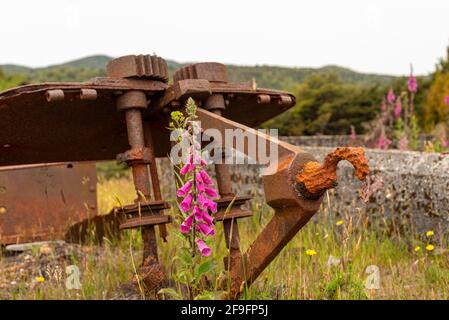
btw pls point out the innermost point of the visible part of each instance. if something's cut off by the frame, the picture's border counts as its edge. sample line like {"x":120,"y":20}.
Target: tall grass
{"x":350,"y":236}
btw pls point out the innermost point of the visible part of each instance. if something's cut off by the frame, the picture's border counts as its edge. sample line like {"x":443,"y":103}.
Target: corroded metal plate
{"x":40,"y":202}
{"x":35,"y":130}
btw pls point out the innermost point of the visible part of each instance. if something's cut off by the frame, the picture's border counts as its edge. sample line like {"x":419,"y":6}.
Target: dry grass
{"x":404,"y":272}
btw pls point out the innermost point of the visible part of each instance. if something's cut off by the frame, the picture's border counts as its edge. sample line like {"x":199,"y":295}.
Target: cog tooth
{"x":139,"y":66}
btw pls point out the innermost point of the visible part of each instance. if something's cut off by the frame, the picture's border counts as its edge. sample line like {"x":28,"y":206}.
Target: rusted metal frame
{"x":216,"y":103}
{"x":153,"y":173}
{"x":294,"y":201}
{"x":99,"y":83}
{"x":203,"y":88}
{"x":40,"y":202}
{"x":145,"y":68}
{"x":131,"y":103}
{"x":291,"y":211}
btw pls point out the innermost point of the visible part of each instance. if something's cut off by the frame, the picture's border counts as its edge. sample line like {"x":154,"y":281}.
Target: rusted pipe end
{"x":315,"y":178}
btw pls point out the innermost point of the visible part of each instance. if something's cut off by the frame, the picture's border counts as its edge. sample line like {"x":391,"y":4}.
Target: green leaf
{"x":205,"y":267}
{"x":172,"y":293}
{"x":205,"y":295}
{"x":185,"y":257}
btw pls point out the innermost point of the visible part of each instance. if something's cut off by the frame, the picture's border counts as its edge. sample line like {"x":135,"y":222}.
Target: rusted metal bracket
{"x":289,"y":197}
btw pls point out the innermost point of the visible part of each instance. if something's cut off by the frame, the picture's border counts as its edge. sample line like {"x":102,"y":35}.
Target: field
{"x":328,"y":259}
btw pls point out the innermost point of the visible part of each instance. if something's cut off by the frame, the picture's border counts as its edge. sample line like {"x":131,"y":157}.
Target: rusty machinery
{"x":40,"y":202}
{"x":125,"y":116}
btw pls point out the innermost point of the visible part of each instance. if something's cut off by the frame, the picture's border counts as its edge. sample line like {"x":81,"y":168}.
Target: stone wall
{"x":415,"y":195}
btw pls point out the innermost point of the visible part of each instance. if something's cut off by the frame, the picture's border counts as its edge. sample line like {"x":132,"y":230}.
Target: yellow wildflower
{"x":310,"y":252}
{"x":417,"y":248}
{"x":430,"y":247}
{"x":429,"y":233}
{"x":40,"y":279}
{"x":339,"y":222}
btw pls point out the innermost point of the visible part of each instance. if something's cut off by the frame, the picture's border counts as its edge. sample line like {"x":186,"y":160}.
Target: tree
{"x":9,"y":81}
{"x":436,"y":110}
{"x":326,"y":105}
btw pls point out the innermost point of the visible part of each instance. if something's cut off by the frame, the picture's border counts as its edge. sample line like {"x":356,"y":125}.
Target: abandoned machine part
{"x":124,"y":116}
{"x":41,"y":202}
{"x":293,"y":205}
{"x":141,"y":66}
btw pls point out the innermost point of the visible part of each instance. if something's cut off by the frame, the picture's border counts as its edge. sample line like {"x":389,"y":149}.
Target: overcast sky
{"x":381,"y":36}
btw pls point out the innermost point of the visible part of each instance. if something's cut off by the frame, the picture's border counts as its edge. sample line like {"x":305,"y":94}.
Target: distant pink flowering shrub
{"x":391,"y":96}
{"x":398,"y":108}
{"x":412,"y":83}
{"x":383,"y":143}
{"x":397,"y":125}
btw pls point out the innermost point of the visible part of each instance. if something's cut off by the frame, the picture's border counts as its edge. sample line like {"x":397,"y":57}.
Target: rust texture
{"x":125,"y":116}
{"x":315,"y":178}
{"x":141,"y":66}
{"x":40,"y":202}
{"x":131,"y":103}
{"x":292,"y":209}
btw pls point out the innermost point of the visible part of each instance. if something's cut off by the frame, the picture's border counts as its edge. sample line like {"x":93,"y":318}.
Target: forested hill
{"x":265,"y":76}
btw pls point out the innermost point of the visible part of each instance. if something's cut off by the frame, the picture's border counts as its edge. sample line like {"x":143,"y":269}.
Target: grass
{"x":348,"y":236}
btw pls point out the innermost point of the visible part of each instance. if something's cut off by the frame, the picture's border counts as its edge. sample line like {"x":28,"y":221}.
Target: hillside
{"x":266,"y":76}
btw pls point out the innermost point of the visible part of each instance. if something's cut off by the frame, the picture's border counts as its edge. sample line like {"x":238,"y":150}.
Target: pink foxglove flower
{"x":186,"y":204}
{"x":383,"y":143}
{"x":206,"y":203}
{"x":412,"y":83}
{"x":182,"y":192}
{"x":390,"y":96}
{"x":444,"y":143}
{"x":211,"y":192}
{"x":186,"y":225}
{"x":198,"y":213}
{"x":205,"y":229}
{"x":206,"y":178}
{"x":398,"y":109}
{"x":187,"y":168}
{"x":202,"y":246}
{"x":199,"y":178}
{"x":403,"y":143}
{"x":207,"y":218}
{"x":353,"y":134}
{"x":198,"y":191}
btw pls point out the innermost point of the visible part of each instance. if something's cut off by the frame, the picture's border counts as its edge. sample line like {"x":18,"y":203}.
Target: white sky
{"x":380,"y":36}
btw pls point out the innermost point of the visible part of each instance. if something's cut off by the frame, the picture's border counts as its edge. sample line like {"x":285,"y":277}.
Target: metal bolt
{"x":88,"y":94}
{"x":54,"y":95}
{"x":263,"y":99}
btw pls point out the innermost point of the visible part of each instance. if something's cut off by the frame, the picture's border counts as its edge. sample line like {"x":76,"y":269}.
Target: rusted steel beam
{"x":153,"y":172}
{"x":41,"y":202}
{"x":289,"y":198}
{"x":130,"y":103}
{"x":133,"y":103}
